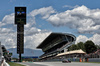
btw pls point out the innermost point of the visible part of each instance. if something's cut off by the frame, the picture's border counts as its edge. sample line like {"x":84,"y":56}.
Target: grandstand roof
{"x":50,"y":38}
{"x":72,"y":52}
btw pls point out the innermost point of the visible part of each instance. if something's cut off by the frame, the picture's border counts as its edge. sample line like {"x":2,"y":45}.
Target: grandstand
{"x":55,"y":43}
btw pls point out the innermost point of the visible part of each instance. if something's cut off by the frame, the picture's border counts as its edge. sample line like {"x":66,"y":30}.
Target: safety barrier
{"x":94,"y":60}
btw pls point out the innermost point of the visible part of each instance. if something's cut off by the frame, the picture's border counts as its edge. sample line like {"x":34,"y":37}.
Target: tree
{"x":90,"y":47}
{"x":73,"y":47}
{"x":98,"y":46}
{"x":81,"y":46}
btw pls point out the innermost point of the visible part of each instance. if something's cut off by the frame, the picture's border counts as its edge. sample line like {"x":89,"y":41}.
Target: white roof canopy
{"x":72,"y":52}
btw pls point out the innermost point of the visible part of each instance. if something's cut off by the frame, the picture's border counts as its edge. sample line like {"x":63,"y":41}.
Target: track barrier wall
{"x":77,"y":60}
{"x":94,"y":60}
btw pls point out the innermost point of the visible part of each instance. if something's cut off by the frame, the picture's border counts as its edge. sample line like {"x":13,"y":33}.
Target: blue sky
{"x":46,"y":16}
{"x":7,"y":6}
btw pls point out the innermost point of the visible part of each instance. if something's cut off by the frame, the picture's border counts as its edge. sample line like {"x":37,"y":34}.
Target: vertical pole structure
{"x":20,"y":40}
{"x":20,"y":20}
{"x":20,"y":57}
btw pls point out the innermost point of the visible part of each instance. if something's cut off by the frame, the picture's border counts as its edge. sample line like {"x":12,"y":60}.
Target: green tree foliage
{"x":73,"y":47}
{"x":81,"y":46}
{"x":98,"y":46}
{"x":90,"y":46}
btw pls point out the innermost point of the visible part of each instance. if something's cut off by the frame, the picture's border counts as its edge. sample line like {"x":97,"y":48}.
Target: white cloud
{"x":2,"y":24}
{"x":34,"y":40}
{"x":81,"y":38}
{"x":68,"y":6}
{"x":95,"y":38}
{"x":8,"y":19}
{"x":44,"y":12}
{"x":32,"y":30}
{"x":8,"y":39}
{"x":83,"y":19}
{"x":33,"y":35}
{"x":30,"y":22}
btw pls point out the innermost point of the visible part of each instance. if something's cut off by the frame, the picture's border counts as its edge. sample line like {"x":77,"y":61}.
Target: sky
{"x":78,"y":17}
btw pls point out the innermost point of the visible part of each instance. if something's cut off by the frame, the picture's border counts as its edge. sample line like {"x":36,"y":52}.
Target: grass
{"x":14,"y":64}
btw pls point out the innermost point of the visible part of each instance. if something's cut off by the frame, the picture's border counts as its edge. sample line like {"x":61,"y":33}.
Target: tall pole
{"x":20,"y":20}
{"x":20,"y":57}
{"x":20,"y":40}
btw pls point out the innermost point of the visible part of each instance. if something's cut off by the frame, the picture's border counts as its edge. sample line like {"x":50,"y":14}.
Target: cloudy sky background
{"x":80,"y":18}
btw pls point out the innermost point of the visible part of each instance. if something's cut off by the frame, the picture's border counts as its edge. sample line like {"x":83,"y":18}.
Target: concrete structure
{"x":56,"y":43}
{"x":72,"y":54}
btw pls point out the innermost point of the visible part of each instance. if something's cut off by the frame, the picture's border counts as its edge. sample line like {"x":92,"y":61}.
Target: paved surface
{"x":32,"y":64}
{"x":59,"y":64}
